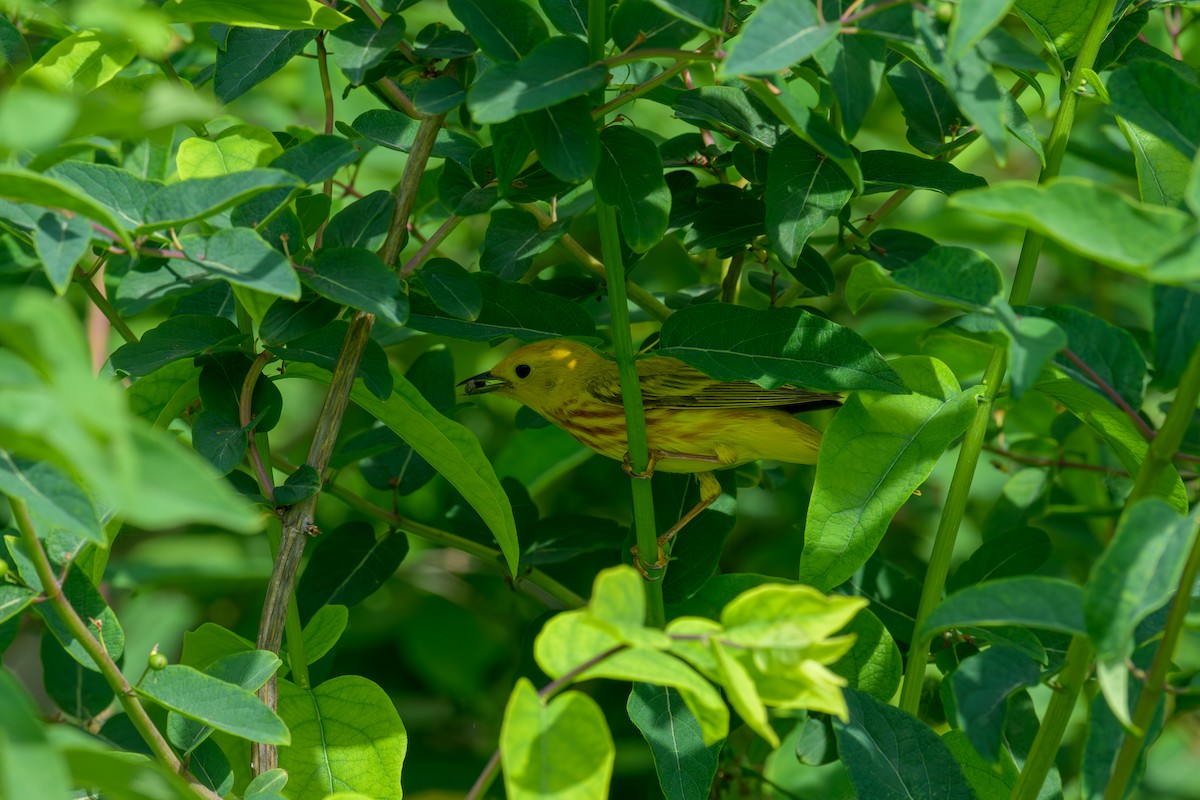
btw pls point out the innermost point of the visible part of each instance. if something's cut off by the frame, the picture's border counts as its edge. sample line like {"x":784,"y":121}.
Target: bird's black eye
{"x":523,"y":370}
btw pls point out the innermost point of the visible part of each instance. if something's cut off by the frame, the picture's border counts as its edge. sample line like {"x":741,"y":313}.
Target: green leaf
{"x":565,"y":138}
{"x":890,"y":753}
{"x":449,"y":447}
{"x":889,"y":171}
{"x":956,"y":275}
{"x":1037,"y":602}
{"x":14,"y":51}
{"x":13,"y":600}
{"x":513,"y":238}
{"x":509,"y":309}
{"x":771,"y":348}
{"x":324,"y":630}
{"x":875,"y":453}
{"x":1018,"y":552}
{"x":967,"y":28}
{"x":270,"y":782}
{"x":22,"y":186}
{"x":123,"y":775}
{"x":642,"y":25}
{"x":60,"y":241}
{"x":451,"y":288}
{"x":360,"y":46}
{"x":286,"y":320}
{"x":395,"y":131}
{"x":351,"y":565}
{"x":251,"y":55}
{"x":1157,"y":99}
{"x":779,"y":34}
{"x":300,"y":485}
{"x":436,"y":40}
{"x":1162,"y":170}
{"x":1059,"y":25}
{"x":854,"y":67}
{"x":989,"y":781}
{"x":1117,"y":230}
{"x":123,"y":195}
{"x":685,"y":766}
{"x":345,"y":733}
{"x":935,"y":121}
{"x":322,"y":346}
{"x":742,"y":693}
{"x":804,"y":190}
{"x":730,"y":110}
{"x":54,"y":499}
{"x":506,"y":30}
{"x":236,"y":149}
{"x":219,"y":439}
{"x":970,"y":80}
{"x":1176,"y":331}
{"x":1110,"y":352}
{"x":357,"y":278}
{"x":1118,"y":431}
{"x":981,"y":688}
{"x":630,"y":177}
{"x":249,"y":670}
{"x":1136,"y":574}
{"x":184,"y":336}
{"x":179,"y":203}
{"x":568,"y":16}
{"x":556,"y":70}
{"x":214,"y":702}
{"x":271,"y":14}
{"x":242,"y":258}
{"x":82,"y":62}
{"x":874,"y":664}
{"x":81,"y":693}
{"x":440,"y":95}
{"x":29,"y":765}
{"x":559,"y":749}
{"x":364,"y":223}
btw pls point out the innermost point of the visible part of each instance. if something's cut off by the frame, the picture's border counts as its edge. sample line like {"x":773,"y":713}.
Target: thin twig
{"x":1112,"y":394}
{"x":101,"y":302}
{"x":410,"y":182}
{"x":245,"y":406}
{"x":430,"y":244}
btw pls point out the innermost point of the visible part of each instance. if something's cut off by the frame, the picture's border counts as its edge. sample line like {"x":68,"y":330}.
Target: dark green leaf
{"x":32,"y":766}
{"x":1036,"y":602}
{"x":981,"y":687}
{"x":395,"y":131}
{"x":727,"y":218}
{"x":55,"y":500}
{"x":179,"y":337}
{"x":251,"y":55}
{"x":705,"y":14}
{"x":451,"y":289}
{"x":854,"y":66}
{"x":631,"y":178}
{"x":506,"y":30}
{"x":439,"y":41}
{"x":813,"y":271}
{"x":569,"y":16}
{"x":779,"y":34}
{"x":81,"y":693}
{"x":890,"y":753}
{"x":934,"y":119}
{"x":301,"y":484}
{"x":214,"y":702}
{"x":804,"y":190}
{"x":1110,"y":352}
{"x":887,"y":171}
{"x":319,"y":158}
{"x":685,"y":767}
{"x":351,"y":564}
{"x":731,"y":110}
{"x":1155,"y":98}
{"x":1176,"y":332}
{"x":893,"y":248}
{"x":554,"y":71}
{"x":874,"y":664}
{"x":695,"y":558}
{"x":509,"y":309}
{"x":640,"y":24}
{"x":364,"y":223}
{"x":211,"y":766}
{"x":60,"y":241}
{"x":513,"y":238}
{"x":241,"y":257}
{"x":358,"y":46}
{"x":956,"y":275}
{"x":322,"y":346}
{"x":90,"y":606}
{"x":357,"y":278}
{"x":220,"y":439}
{"x":286,"y":320}
{"x":1018,"y":552}
{"x":443,"y":93}
{"x":969,"y":79}
{"x":771,"y":348}
{"x":187,"y":201}
{"x":565,"y":139}
{"x":14,"y":52}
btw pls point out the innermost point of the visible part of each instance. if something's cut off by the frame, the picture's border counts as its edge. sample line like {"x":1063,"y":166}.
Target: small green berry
{"x":157,"y":661}
{"x":945,"y":12}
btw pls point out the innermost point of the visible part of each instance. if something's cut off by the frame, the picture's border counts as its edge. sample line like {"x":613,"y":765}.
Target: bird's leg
{"x":710,"y":490}
{"x":659,"y":455}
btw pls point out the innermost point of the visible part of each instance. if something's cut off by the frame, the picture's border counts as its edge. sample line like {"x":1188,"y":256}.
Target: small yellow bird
{"x":694,"y":423}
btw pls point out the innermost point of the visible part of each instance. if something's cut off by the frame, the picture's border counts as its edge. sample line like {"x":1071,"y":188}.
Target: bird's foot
{"x":646,"y":474}
{"x":657,"y":567}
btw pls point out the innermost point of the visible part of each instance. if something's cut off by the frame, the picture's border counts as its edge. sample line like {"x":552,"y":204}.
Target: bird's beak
{"x":483,"y":382}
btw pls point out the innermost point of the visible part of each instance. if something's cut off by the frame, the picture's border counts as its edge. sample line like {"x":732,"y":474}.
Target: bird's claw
{"x":627,"y":465}
{"x":658,"y":566}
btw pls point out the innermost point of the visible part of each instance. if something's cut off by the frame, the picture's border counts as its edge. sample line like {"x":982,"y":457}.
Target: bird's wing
{"x":669,"y":383}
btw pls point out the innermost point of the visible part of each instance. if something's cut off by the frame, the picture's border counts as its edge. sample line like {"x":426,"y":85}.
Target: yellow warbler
{"x":693,"y":422}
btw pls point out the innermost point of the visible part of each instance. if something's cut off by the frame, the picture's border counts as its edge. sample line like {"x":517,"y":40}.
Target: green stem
{"x":113,"y":676}
{"x":647,"y":86}
{"x":968,"y":456}
{"x":1157,"y":458}
{"x":101,"y":302}
{"x":1054,"y":723}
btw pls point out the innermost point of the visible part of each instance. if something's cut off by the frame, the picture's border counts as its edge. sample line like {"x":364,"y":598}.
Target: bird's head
{"x":540,"y":375}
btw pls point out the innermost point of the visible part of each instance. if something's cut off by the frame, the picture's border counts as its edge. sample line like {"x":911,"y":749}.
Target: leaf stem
{"x":431,"y":244}
{"x":1110,"y":392}
{"x":968,"y":455}
{"x":126,"y":694}
{"x":101,"y":302}
{"x":245,"y":407}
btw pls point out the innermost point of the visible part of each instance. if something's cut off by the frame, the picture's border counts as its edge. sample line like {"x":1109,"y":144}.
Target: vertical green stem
{"x":1161,"y":449}
{"x":968,"y":456}
{"x":631,"y":390}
